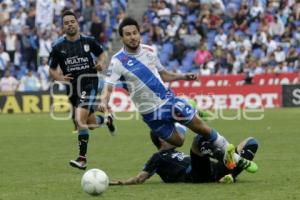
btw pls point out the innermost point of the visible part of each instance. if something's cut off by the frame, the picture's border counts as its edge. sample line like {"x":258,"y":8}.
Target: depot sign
{"x":248,"y":96}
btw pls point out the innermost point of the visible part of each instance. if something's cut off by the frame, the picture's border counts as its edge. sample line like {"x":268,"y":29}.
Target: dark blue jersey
{"x":174,"y":166}
{"x":170,"y":165}
{"x":76,"y":57}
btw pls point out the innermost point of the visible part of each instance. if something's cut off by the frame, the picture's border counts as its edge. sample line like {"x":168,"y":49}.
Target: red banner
{"x":248,"y":96}
{"x":238,"y":80}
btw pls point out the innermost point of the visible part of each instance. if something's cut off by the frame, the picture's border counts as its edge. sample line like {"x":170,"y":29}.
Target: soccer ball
{"x":94,"y":181}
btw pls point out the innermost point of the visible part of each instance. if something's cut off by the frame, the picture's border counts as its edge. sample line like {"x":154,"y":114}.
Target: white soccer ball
{"x":94,"y":181}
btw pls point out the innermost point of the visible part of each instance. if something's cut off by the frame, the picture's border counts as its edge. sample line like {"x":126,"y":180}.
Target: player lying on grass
{"x":198,"y":167}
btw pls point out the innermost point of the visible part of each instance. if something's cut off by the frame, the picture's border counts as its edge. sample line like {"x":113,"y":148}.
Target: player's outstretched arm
{"x":171,"y":76}
{"x":139,"y":179}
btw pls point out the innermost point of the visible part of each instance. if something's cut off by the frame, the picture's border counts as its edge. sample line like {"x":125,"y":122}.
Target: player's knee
{"x":82,"y":126}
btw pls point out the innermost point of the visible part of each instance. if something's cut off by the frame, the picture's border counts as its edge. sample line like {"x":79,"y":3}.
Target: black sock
{"x":99,"y":119}
{"x":83,"y":140}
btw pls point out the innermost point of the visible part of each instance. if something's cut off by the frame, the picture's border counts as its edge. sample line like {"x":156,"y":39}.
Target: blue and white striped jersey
{"x":140,"y":74}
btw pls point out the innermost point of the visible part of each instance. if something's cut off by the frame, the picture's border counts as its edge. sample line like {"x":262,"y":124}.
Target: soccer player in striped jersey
{"x":140,"y":70}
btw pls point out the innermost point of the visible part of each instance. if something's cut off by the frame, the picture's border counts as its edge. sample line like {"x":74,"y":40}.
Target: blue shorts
{"x":162,"y":120}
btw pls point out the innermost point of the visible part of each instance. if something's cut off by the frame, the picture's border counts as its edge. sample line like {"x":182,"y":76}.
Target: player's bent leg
{"x":81,"y":116}
{"x":96,"y":121}
{"x":198,"y":126}
{"x":92,"y":122}
{"x":247,"y":150}
{"x":204,"y":147}
{"x":222,"y":150}
{"x":218,"y":142}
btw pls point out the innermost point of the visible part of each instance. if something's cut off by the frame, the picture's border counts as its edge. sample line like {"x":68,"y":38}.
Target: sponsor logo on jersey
{"x":86,"y":47}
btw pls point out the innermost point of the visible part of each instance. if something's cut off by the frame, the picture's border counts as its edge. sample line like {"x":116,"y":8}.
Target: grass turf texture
{"x":35,"y":151}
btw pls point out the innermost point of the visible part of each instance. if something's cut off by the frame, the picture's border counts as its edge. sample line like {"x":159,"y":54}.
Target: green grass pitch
{"x":35,"y":150}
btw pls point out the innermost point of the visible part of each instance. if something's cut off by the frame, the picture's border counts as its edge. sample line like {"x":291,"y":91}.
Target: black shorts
{"x":84,"y":97}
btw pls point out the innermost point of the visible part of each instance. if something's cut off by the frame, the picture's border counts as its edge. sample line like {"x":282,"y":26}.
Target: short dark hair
{"x":155,"y":139}
{"x":127,"y":21}
{"x":68,"y":12}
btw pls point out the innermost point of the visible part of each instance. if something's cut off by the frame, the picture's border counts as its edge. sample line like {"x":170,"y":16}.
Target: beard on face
{"x":71,"y":31}
{"x":132,"y":47}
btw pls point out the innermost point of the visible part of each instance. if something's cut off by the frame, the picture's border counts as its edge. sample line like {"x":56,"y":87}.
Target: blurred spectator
{"x":43,"y":74}
{"x":281,"y":68}
{"x":171,"y":29}
{"x":11,"y":44}
{"x":163,"y":11}
{"x":18,"y":21}
{"x":279,"y":55}
{"x":256,"y":9}
{"x":29,"y":83}
{"x":4,"y":60}
{"x":240,"y":21}
{"x":4,"y":13}
{"x":87,"y":14}
{"x":8,"y":83}
{"x":202,"y":55}
{"x":276,"y":27}
{"x":204,"y":70}
{"x":29,"y":47}
{"x":221,"y":38}
{"x":44,"y":45}
{"x":97,"y":29}
{"x":259,"y":39}
{"x":192,"y":40}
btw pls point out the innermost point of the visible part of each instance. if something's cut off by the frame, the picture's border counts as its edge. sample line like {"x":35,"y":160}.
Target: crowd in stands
{"x":225,"y":36}
{"x":25,"y":47}
{"x":203,"y":36}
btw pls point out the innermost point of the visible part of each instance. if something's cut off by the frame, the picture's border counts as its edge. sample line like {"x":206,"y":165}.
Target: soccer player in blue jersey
{"x":75,"y":54}
{"x":198,"y":167}
{"x":139,"y":68}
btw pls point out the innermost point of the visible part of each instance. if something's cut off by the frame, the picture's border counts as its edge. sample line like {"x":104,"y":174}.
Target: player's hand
{"x":67,"y":78}
{"x":100,"y":66}
{"x":190,"y":76}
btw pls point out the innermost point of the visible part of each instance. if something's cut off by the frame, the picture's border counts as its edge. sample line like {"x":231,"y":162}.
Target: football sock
{"x":99,"y":119}
{"x":218,"y":140}
{"x":83,"y":139}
